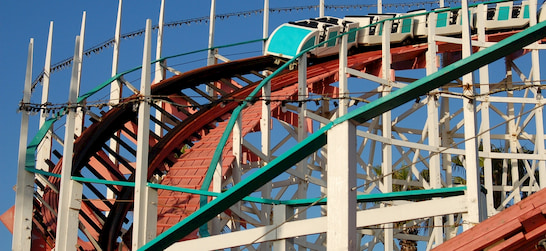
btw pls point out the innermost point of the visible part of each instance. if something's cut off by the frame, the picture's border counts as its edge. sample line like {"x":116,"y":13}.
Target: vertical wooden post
{"x":281,"y":214}
{"x":211,"y":54}
{"x":24,"y":190}
{"x":142,"y":230}
{"x":115,"y":87}
{"x":471,"y":143}
{"x":341,"y":220}
{"x":539,"y":117}
{"x":44,"y":149}
{"x":435,"y":168}
{"x":159,"y":74}
{"x":70,"y":190}
{"x":386,"y":168}
{"x":485,"y":123}
{"x":321,"y":8}
{"x":266,"y":23}
{"x":80,"y":113}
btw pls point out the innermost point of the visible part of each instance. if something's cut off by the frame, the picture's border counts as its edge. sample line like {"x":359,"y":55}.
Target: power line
{"x":49,"y":107}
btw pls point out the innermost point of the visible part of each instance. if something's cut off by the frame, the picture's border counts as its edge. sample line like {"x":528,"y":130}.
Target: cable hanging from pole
{"x":51,"y":108}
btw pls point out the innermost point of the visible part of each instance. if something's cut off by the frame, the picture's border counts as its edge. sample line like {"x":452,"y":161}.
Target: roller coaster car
{"x":507,"y":16}
{"x":401,"y":29}
{"x":294,"y":37}
{"x":449,"y":22}
{"x":290,"y":39}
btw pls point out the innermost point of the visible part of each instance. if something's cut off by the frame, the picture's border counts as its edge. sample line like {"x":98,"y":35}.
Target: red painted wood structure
{"x":519,"y":227}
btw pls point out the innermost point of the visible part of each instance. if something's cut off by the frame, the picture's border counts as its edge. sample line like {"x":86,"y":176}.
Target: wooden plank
{"x":170,"y":118}
{"x":507,"y":244}
{"x":204,"y":94}
{"x":532,"y":219}
{"x":124,"y":145}
{"x":113,"y":173}
{"x":537,"y":232}
{"x":119,"y":158}
{"x":228,"y":83}
{"x":246,"y":80}
{"x":215,"y":88}
{"x":482,"y":236}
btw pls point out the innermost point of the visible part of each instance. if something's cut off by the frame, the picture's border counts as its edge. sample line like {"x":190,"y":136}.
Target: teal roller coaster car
{"x":290,"y":39}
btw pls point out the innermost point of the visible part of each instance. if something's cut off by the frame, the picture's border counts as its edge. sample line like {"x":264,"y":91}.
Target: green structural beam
{"x":35,"y":142}
{"x":318,"y":139}
{"x":212,"y":194}
{"x":378,"y":197}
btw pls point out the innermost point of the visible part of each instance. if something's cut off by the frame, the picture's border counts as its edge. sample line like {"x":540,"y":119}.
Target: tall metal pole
{"x":159,"y":73}
{"x":211,"y":55}
{"x":217,"y":176}
{"x":142,"y":232}
{"x":158,"y":69}
{"x":115,"y":87}
{"x":80,"y":53}
{"x":212,"y":21}
{"x":70,"y":190}
{"x":22,"y":222}
{"x":265,"y":124}
{"x":44,"y":150}
{"x":47,"y":70}
{"x":321,"y":8}
{"x":266,"y":23}
{"x":379,"y":6}
{"x":80,"y":114}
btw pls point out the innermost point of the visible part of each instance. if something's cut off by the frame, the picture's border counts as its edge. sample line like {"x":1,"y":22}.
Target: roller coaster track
{"x":198,"y":122}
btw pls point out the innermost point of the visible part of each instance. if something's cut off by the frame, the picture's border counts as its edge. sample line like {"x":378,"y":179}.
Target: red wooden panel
{"x":525,"y":217}
{"x":506,"y":244}
{"x":482,"y":236}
